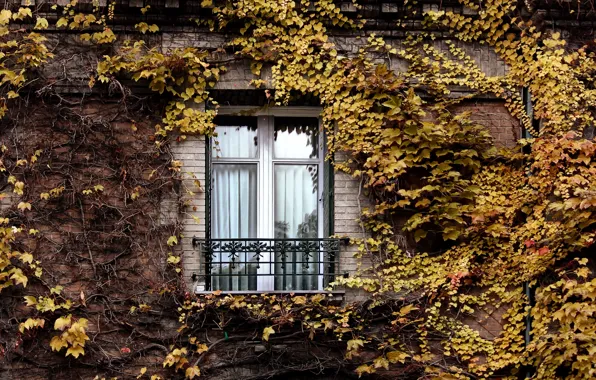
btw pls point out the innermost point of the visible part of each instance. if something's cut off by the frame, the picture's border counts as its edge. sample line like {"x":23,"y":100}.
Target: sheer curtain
{"x":235,"y":142}
{"x":234,"y":204}
{"x":296,"y":197}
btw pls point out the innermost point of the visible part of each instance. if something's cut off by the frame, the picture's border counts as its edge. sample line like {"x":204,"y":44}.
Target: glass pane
{"x":236,"y":137}
{"x":296,"y":201}
{"x":296,"y":216}
{"x":296,"y":137}
{"x":234,"y":215}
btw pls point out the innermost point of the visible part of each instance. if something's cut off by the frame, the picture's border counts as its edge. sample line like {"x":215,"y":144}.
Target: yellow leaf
{"x":62,"y":323}
{"x":56,"y":289}
{"x":26,"y":257}
{"x":24,"y":205}
{"x":19,"y":277}
{"x":191,"y":372}
{"x":172,"y":240}
{"x":353,"y":344}
{"x":266,"y":332}
{"x":202,"y":348}
{"x":75,"y":351}
{"x":30,"y":300}
{"x":406,"y":310}
{"x":5,"y":15}
{"x":57,"y":343}
{"x":62,"y":22}
{"x":31,"y":323}
{"x":364,"y":369}
{"x":41,"y":23}
{"x":142,"y":372}
{"x":397,"y":356}
{"x":381,"y":362}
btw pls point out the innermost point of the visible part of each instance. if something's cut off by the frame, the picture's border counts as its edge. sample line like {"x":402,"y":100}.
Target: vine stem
{"x":86,"y":239}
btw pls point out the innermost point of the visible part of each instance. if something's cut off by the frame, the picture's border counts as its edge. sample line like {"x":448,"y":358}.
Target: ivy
{"x":456,"y":224}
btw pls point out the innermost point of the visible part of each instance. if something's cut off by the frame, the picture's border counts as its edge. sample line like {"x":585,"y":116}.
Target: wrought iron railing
{"x":269,"y":264}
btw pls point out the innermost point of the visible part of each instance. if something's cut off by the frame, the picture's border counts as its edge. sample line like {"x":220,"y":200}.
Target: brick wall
{"x":504,"y":128}
{"x":191,"y":208}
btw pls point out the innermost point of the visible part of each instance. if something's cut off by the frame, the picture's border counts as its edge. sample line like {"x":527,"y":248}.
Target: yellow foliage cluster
{"x":12,"y":263}
{"x":73,"y":337}
{"x":185,"y":74}
{"x":498,"y":217}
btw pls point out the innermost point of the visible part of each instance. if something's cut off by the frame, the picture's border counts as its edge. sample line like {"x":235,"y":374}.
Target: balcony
{"x":265,"y":265}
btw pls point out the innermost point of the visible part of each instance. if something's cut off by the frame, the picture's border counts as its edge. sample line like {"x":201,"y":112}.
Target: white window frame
{"x":265,"y":171}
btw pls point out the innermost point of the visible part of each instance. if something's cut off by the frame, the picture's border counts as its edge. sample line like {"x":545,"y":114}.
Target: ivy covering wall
{"x":89,"y":275}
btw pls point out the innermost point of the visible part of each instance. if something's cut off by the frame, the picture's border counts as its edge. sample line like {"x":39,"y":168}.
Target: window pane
{"x":236,"y":137}
{"x":234,"y":201}
{"x":296,"y":137}
{"x":296,"y":216}
{"x":296,"y":201}
{"x":234,"y":211}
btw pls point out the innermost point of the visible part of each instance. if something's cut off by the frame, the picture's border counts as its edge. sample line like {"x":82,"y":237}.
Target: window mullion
{"x":265,"y":271}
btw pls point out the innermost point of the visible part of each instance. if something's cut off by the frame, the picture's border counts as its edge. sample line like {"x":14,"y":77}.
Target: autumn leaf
{"x":41,"y":23}
{"x":57,"y":343}
{"x":63,"y":21}
{"x":364,"y":368}
{"x":142,"y":372}
{"x":191,"y":372}
{"x":24,"y":206}
{"x":354,"y":344}
{"x":62,"y":323}
{"x":30,"y":300}
{"x":266,"y":332}
{"x":381,"y":362}
{"x":397,"y":356}
{"x":172,"y":240}
{"x":407,"y":309}
{"x":75,"y":351}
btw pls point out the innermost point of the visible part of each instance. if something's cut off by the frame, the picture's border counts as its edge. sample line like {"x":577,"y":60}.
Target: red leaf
{"x":125,"y":350}
{"x":529,"y":243}
{"x":543,"y":251}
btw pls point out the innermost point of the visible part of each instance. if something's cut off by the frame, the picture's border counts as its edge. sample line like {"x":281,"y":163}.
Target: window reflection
{"x":296,"y":216}
{"x":295,"y":137}
{"x":237,"y":137}
{"x":234,"y":205}
{"x":296,"y":201}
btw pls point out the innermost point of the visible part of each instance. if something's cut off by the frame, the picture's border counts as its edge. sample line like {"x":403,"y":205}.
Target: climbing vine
{"x":456,"y":224}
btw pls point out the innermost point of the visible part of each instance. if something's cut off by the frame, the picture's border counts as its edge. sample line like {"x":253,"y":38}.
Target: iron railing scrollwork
{"x":269,"y":264}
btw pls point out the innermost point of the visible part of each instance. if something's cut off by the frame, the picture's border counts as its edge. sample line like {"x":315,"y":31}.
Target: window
{"x":268,"y":201}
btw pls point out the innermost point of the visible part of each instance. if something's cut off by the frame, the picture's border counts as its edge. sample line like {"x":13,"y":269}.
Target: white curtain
{"x":235,"y":142}
{"x":296,"y":198}
{"x":234,"y":216}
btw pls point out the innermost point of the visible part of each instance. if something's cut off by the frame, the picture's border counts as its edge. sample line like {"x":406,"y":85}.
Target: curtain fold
{"x":296,"y":206}
{"x":234,"y":217}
